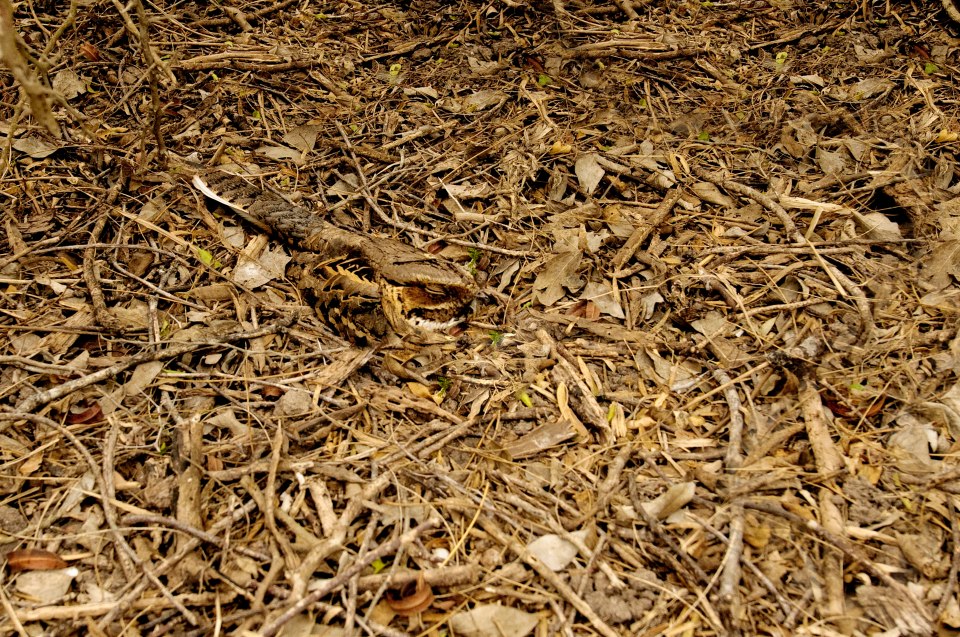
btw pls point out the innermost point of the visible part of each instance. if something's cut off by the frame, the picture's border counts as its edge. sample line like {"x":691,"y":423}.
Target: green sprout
{"x":206,"y":257}
{"x":524,"y":397}
{"x":474,"y":259}
{"x":496,"y":338}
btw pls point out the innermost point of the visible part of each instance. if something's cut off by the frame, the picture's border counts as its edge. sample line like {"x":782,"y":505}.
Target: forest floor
{"x":709,"y":387}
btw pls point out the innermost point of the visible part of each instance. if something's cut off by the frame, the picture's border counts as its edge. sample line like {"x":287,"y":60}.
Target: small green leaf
{"x":524,"y":397}
{"x":206,"y":257}
{"x":474,"y":259}
{"x":642,"y":103}
{"x":930,"y":68}
{"x":704,"y":136}
{"x":395,"y":69}
{"x":378,"y":565}
{"x":496,"y":338}
{"x":855,"y":386}
{"x":611,"y":412}
{"x":781,"y":58}
{"x":544,"y":80}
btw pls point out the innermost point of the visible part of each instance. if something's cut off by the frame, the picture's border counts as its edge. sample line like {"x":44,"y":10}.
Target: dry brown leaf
{"x":33,"y":560}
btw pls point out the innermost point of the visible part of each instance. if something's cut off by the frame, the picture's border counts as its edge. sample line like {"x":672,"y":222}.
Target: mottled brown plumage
{"x":368,"y":285}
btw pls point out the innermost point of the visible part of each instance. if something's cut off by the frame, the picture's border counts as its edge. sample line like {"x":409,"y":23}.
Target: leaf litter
{"x":710,"y":386}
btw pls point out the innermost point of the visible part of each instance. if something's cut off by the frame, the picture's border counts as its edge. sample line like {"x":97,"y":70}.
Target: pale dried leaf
{"x":494,"y":620}
{"x":877,"y":226}
{"x":303,"y":138}
{"x":558,"y":275}
{"x":281,"y":153}
{"x":35,"y":147}
{"x":601,"y":294}
{"x":676,"y":497}
{"x":910,"y":443}
{"x":711,"y":194}
{"x":589,"y":172}
{"x":67,"y":83}
{"x":46,"y":587}
{"x":270,"y":265}
{"x":554,"y":551}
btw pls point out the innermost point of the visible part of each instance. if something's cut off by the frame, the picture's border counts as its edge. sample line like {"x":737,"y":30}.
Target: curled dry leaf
{"x":411,"y":599}
{"x":85,"y":412}
{"x":271,"y":392}
{"x":34,"y":560}
{"x":90,"y":51}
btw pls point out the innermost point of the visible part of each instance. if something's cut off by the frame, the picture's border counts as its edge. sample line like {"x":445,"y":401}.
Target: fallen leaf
{"x":555,"y":552}
{"x":35,"y":147}
{"x":558,"y":273}
{"x":34,"y":560}
{"x":493,"y":620}
{"x":412,"y":599}
{"x":589,"y":172}
{"x":303,"y":138}
{"x":68,"y":84}
{"x":46,"y":587}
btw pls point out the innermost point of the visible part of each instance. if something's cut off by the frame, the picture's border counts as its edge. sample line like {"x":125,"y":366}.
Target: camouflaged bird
{"x":367,"y":286}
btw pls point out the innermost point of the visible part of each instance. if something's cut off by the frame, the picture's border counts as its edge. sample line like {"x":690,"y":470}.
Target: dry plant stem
{"x":335,"y":540}
{"x":29,"y":83}
{"x":490,"y":527}
{"x":173,"y":523}
{"x":332,"y":584}
{"x":12,"y":614}
{"x":268,"y":499}
{"x":152,"y":61}
{"x":828,"y":463}
{"x":954,"y":562}
{"x":110,"y":491}
{"x":96,"y":609}
{"x":350,"y":594}
{"x":627,"y":7}
{"x":637,"y":238}
{"x":676,"y":550}
{"x":731,"y":569}
{"x":843,"y":545}
{"x":430,"y":445}
{"x":582,"y":399}
{"x":55,"y":393}
{"x":785,"y":604}
{"x":109,"y":514}
{"x":66,"y":24}
{"x":173,"y":298}
{"x":131,"y":599}
{"x":443,"y":577}
{"x":609,"y":487}
{"x":845,"y":284}
{"x":92,"y":279}
{"x":259,"y":13}
{"x":827,"y":457}
{"x":550,"y":521}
